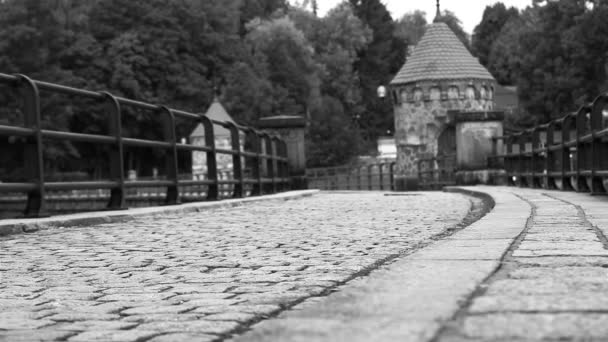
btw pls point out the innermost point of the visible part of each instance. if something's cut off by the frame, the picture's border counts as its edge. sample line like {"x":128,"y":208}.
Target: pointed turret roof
{"x":215,"y":112}
{"x":440,"y":55}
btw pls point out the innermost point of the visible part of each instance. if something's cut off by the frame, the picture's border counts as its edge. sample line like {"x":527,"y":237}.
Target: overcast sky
{"x":468,"y":11}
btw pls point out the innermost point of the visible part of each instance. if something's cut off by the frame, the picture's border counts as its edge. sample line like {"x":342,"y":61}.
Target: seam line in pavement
{"x":583,"y":216}
{"x":482,"y":288}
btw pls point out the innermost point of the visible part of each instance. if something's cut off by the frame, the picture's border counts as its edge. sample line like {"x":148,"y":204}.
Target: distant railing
{"x":267,"y":154}
{"x":436,"y":172}
{"x":366,"y":177}
{"x":570,"y":153}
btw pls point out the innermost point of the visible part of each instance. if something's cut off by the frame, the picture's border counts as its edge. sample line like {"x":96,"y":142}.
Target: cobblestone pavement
{"x":533,"y":269}
{"x":209,"y":275}
{"x":552,"y":284}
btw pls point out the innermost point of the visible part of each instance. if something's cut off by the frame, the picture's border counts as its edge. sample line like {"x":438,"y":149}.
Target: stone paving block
{"x":562,"y":261}
{"x":576,"y":301}
{"x":133,"y":335}
{"x":38,"y":335}
{"x":81,"y":316}
{"x":94,"y":325}
{"x":20,"y":323}
{"x":457,"y":250}
{"x":240,"y":317}
{"x":580,"y":273}
{"x":313,"y":329}
{"x":200,"y":326}
{"x":182,"y":337}
{"x":156,"y":309}
{"x":162,"y":317}
{"x":555,"y":326}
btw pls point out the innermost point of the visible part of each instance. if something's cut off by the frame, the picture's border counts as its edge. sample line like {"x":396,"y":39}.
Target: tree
{"x":411,"y":27}
{"x":488,"y":30}
{"x":294,"y":73}
{"x":545,"y":85}
{"x":332,"y":144}
{"x":450,"y":19}
{"x":377,"y":65}
{"x":336,"y":40}
{"x":505,"y":54}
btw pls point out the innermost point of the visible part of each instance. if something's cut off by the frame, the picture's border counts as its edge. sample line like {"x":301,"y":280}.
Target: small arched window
{"x":417,"y":94}
{"x":453,"y":93}
{"x":470,"y":93}
{"x":435,"y":94}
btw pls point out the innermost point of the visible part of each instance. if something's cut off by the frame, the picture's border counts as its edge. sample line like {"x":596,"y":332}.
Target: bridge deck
{"x":354,"y":266}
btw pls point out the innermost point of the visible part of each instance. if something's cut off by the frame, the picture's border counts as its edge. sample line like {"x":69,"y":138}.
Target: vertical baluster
{"x":596,"y":124}
{"x":549,"y":182}
{"x":117,"y":173}
{"x":171,"y":166}
{"x":581,"y":154}
{"x":33,"y":149}
{"x":380,"y":177}
{"x":392,"y":175}
{"x":237,"y":167}
{"x":271,"y":163}
{"x":212,"y":176}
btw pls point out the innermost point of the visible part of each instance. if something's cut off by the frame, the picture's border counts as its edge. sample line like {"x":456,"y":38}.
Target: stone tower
{"x":440,"y":78}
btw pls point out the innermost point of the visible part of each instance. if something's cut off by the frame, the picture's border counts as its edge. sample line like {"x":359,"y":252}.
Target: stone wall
{"x":422,"y":114}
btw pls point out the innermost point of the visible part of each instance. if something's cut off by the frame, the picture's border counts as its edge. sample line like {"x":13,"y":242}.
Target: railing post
{"x":172,"y":196}
{"x":254,"y":138}
{"x":212,"y":176}
{"x":117,"y":194}
{"x":420,"y":175}
{"x":581,"y":185}
{"x":549,"y":156}
{"x":370,"y":184}
{"x":565,"y":150}
{"x":237,"y":167}
{"x":537,"y":179}
{"x":359,"y":185}
{"x":596,"y":125}
{"x":392,"y":175}
{"x":521,"y":160}
{"x":270,"y":163}
{"x":380,"y":177}
{"x":286,"y":167}
{"x":33,"y":149}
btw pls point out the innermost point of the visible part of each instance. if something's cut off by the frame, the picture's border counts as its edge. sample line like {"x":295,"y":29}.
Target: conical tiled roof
{"x":440,"y":56}
{"x":215,"y":112}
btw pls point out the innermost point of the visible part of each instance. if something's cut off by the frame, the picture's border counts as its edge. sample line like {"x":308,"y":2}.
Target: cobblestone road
{"x":205,"y":276}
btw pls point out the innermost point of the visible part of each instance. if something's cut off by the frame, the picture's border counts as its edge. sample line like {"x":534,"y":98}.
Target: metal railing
{"x":366,"y":177}
{"x":273,"y":162}
{"x":570,"y":153}
{"x":436,"y":172}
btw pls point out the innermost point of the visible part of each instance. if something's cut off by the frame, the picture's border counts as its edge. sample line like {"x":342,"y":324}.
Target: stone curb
{"x":487,"y":198}
{"x":18,"y":226}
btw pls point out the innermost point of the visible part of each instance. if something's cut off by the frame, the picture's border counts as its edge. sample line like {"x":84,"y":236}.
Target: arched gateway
{"x":440,"y":81}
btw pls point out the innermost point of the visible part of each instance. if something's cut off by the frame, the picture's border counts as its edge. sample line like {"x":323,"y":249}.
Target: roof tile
{"x":439,"y":56}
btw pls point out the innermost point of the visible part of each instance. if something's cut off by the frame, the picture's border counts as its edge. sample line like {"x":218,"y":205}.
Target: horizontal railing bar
{"x":194,"y":148}
{"x":16,"y":131}
{"x":145,"y":143}
{"x":68,"y":90}
{"x":80,"y":185}
{"x":17,"y":187}
{"x":91,"y":138}
{"x":148,"y":183}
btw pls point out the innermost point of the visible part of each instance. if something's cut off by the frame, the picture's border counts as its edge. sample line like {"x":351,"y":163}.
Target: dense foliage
{"x":263,"y":57}
{"x":554,"y":51}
